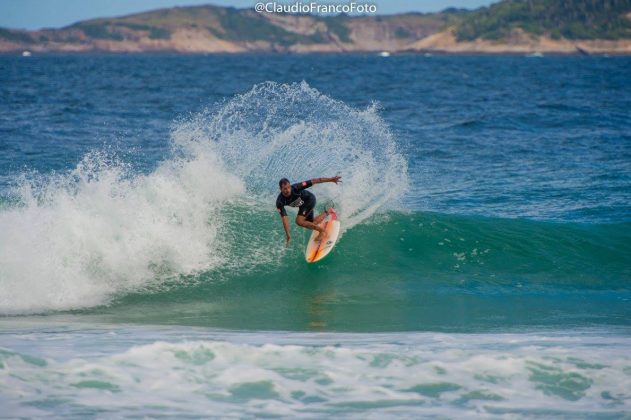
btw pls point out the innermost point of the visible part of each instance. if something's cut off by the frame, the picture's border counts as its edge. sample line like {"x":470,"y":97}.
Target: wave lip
{"x":293,"y":131}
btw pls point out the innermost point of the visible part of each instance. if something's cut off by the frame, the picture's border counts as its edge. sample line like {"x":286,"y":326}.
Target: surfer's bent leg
{"x":306,"y":220}
{"x":309,"y":217}
{"x":302,"y":221}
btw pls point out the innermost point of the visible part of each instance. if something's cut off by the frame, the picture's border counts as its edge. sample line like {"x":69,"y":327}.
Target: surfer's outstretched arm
{"x":335,"y":179}
{"x":306,"y":184}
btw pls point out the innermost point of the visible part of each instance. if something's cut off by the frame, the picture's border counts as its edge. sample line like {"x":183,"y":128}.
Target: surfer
{"x":296,"y":195}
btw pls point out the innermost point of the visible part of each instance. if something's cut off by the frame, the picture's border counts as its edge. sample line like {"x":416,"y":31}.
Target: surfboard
{"x":318,"y":250}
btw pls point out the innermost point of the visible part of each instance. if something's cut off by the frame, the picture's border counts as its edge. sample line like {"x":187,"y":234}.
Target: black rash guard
{"x":301,"y":198}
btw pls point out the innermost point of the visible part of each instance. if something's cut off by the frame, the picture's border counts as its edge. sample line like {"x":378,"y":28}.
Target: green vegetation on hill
{"x":154,"y":32}
{"x":337,"y":25}
{"x":100,"y":31}
{"x":240,"y":26}
{"x":15,"y":36}
{"x":572,"y":19}
{"x":111,"y":30}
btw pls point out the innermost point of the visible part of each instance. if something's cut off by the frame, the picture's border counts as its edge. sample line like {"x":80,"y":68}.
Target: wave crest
{"x":101,"y":230}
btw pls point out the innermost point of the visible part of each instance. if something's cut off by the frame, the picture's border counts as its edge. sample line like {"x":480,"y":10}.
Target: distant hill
{"x":570,"y":19}
{"x":510,"y":26}
{"x":224,"y":29}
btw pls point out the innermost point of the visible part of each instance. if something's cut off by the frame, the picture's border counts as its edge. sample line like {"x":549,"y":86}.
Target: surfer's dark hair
{"x":283,"y":181}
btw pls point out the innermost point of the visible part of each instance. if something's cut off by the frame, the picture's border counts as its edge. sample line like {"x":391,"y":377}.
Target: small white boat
{"x":535,"y":55}
{"x":26,"y":53}
{"x":384,"y":54}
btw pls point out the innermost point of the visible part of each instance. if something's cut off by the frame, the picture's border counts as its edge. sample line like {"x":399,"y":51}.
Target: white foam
{"x":80,"y":239}
{"x":420,"y":374}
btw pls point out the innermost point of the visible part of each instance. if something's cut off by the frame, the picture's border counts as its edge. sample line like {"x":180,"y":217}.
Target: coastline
{"x":424,"y":46}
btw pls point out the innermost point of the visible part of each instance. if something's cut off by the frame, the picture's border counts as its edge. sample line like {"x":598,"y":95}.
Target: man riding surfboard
{"x":296,"y":195}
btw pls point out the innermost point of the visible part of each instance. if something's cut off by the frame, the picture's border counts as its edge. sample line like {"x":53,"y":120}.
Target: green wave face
{"x":403,"y":271}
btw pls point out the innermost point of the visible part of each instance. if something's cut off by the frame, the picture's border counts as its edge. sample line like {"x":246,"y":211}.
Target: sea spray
{"x":294,"y":131}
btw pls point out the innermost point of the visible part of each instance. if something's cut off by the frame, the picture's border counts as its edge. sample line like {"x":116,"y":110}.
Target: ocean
{"x":483,"y":268}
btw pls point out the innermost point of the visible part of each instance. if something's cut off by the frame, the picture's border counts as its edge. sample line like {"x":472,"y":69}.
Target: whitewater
{"x":80,"y":239}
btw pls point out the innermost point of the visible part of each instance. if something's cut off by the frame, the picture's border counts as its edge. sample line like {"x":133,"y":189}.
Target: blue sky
{"x":35,"y":14}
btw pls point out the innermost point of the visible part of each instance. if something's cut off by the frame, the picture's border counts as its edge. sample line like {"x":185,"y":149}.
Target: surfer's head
{"x":285,"y":187}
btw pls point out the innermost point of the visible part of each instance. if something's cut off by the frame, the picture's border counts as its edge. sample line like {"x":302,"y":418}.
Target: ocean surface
{"x":484,"y":267}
